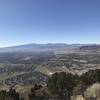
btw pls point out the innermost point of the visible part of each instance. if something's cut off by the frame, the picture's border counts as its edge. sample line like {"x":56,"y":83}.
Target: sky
{"x":49,"y":21}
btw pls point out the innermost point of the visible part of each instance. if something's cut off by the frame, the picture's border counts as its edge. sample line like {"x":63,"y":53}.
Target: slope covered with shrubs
{"x":62,"y":86}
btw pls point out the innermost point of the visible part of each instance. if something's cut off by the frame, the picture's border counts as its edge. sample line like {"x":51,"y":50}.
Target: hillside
{"x":30,"y":67}
{"x":26,"y":68}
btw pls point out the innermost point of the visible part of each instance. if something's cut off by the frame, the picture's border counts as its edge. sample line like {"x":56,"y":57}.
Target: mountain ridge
{"x":38,"y":47}
{"x":49,"y":47}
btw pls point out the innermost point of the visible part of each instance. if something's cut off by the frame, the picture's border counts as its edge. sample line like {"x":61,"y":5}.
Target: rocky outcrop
{"x":78,"y":97}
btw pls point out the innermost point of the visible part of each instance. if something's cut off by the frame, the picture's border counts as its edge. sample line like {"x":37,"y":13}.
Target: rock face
{"x":78,"y":97}
{"x":93,"y":92}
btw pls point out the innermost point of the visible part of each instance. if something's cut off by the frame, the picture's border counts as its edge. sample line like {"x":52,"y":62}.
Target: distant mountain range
{"x":57,"y":47}
{"x":38,"y":47}
{"x":90,"y":48}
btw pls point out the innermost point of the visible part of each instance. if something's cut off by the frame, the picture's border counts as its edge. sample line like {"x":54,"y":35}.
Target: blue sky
{"x":49,"y":21}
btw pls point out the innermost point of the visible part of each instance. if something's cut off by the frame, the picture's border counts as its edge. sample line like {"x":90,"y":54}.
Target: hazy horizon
{"x":49,"y":21}
{"x":49,"y":43}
